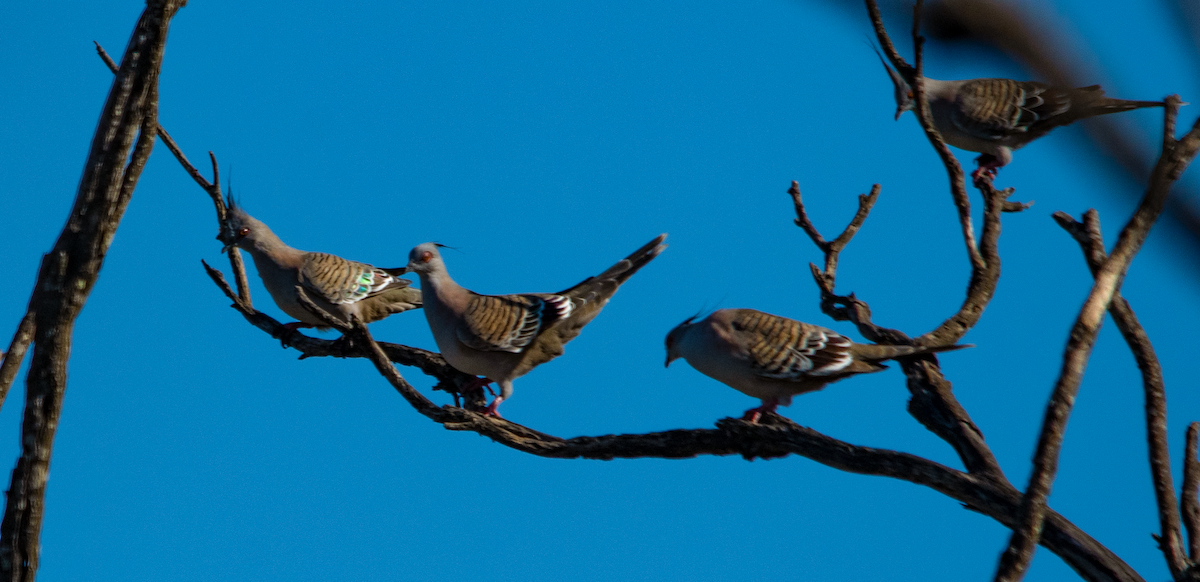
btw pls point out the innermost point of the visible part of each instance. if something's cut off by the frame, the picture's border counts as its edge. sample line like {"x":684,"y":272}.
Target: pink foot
{"x":754,"y":414}
{"x":492,"y":409}
{"x":483,"y":383}
{"x":988,"y":165}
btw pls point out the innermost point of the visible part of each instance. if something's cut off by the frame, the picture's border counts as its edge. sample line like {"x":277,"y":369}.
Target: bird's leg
{"x":768,"y":405}
{"x":482,"y":383}
{"x":506,"y":390}
{"x":492,"y":408}
{"x":476,"y":384}
{"x":988,"y":165}
{"x":292,"y":328}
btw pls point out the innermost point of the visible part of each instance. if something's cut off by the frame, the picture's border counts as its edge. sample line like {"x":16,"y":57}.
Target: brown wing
{"x":510,"y":323}
{"x":786,"y":349}
{"x":340,"y":281}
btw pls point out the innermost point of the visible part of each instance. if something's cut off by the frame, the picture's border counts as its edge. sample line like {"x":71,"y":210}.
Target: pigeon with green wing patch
{"x":341,"y":287}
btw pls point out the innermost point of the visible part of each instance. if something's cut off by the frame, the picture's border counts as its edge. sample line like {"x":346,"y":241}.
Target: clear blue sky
{"x":546,"y":140}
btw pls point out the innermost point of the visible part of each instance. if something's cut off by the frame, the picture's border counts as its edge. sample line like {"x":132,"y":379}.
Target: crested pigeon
{"x":503,"y":337}
{"x":996,"y":116}
{"x":774,"y":358}
{"x":342,"y":288}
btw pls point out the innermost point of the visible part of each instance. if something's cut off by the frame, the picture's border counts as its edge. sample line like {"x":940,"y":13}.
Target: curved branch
{"x":1091,"y":241}
{"x":776,"y":437}
{"x":1174,"y":160}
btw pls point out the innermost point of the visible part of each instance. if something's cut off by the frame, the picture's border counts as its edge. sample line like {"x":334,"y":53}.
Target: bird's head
{"x":243,"y":229}
{"x":675,"y":339}
{"x":903,"y":93}
{"x":425,"y":258}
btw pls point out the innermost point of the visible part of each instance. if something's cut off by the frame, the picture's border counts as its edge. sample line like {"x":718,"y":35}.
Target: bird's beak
{"x":226,"y":248}
{"x":899,"y":112}
{"x":669,"y":360}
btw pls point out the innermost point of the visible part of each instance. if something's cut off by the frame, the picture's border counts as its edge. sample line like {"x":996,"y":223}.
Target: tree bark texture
{"x":128,"y":121}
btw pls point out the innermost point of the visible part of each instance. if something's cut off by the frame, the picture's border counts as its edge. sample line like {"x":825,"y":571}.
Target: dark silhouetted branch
{"x":70,"y":271}
{"x":1189,"y":499}
{"x":1175,"y":158}
{"x":1091,"y":241}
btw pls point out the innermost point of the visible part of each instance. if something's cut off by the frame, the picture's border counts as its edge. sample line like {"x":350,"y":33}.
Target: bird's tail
{"x":879,"y":352}
{"x":1095,"y":102}
{"x":1118,"y":105}
{"x":617,"y":274}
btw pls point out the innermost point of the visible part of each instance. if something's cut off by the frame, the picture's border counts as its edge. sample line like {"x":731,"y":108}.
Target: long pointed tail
{"x":1117,"y":105}
{"x":872,"y":352}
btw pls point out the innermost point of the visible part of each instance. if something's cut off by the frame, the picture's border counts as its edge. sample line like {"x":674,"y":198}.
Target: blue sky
{"x":545,"y":140}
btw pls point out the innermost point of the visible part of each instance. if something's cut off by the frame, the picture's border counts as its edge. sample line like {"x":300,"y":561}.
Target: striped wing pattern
{"x":997,"y":108}
{"x":787,"y":349}
{"x":340,"y":281}
{"x":510,"y":323}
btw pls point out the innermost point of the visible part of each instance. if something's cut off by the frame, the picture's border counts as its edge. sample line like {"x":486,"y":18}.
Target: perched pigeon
{"x":996,"y":116}
{"x":774,"y":358}
{"x":340,"y":287}
{"x":503,"y":337}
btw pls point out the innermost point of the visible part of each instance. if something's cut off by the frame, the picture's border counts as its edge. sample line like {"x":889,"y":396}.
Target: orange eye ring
{"x":244,"y":232}
{"x":426,"y":256}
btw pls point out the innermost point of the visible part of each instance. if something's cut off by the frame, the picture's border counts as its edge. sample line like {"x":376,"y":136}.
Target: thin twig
{"x":913,"y":75}
{"x":15,"y":355}
{"x":430,"y":363}
{"x":933,"y":403}
{"x":212,"y":188}
{"x":833,"y":249}
{"x":1189,"y":498}
{"x":1091,"y":241}
{"x":1175,"y":158}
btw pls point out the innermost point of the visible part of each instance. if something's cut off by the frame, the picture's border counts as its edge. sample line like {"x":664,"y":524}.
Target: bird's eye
{"x":910,"y":94}
{"x":426,"y":256}
{"x":244,"y":232}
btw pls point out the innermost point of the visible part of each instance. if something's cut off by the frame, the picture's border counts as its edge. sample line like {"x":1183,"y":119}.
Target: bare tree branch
{"x":212,"y":188}
{"x":933,"y":403}
{"x":16,"y":348}
{"x":913,"y":75}
{"x":70,"y":271}
{"x":775,"y":436}
{"x":984,"y":255}
{"x":1091,"y":241}
{"x":1175,"y":158}
{"x":1189,"y":499}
